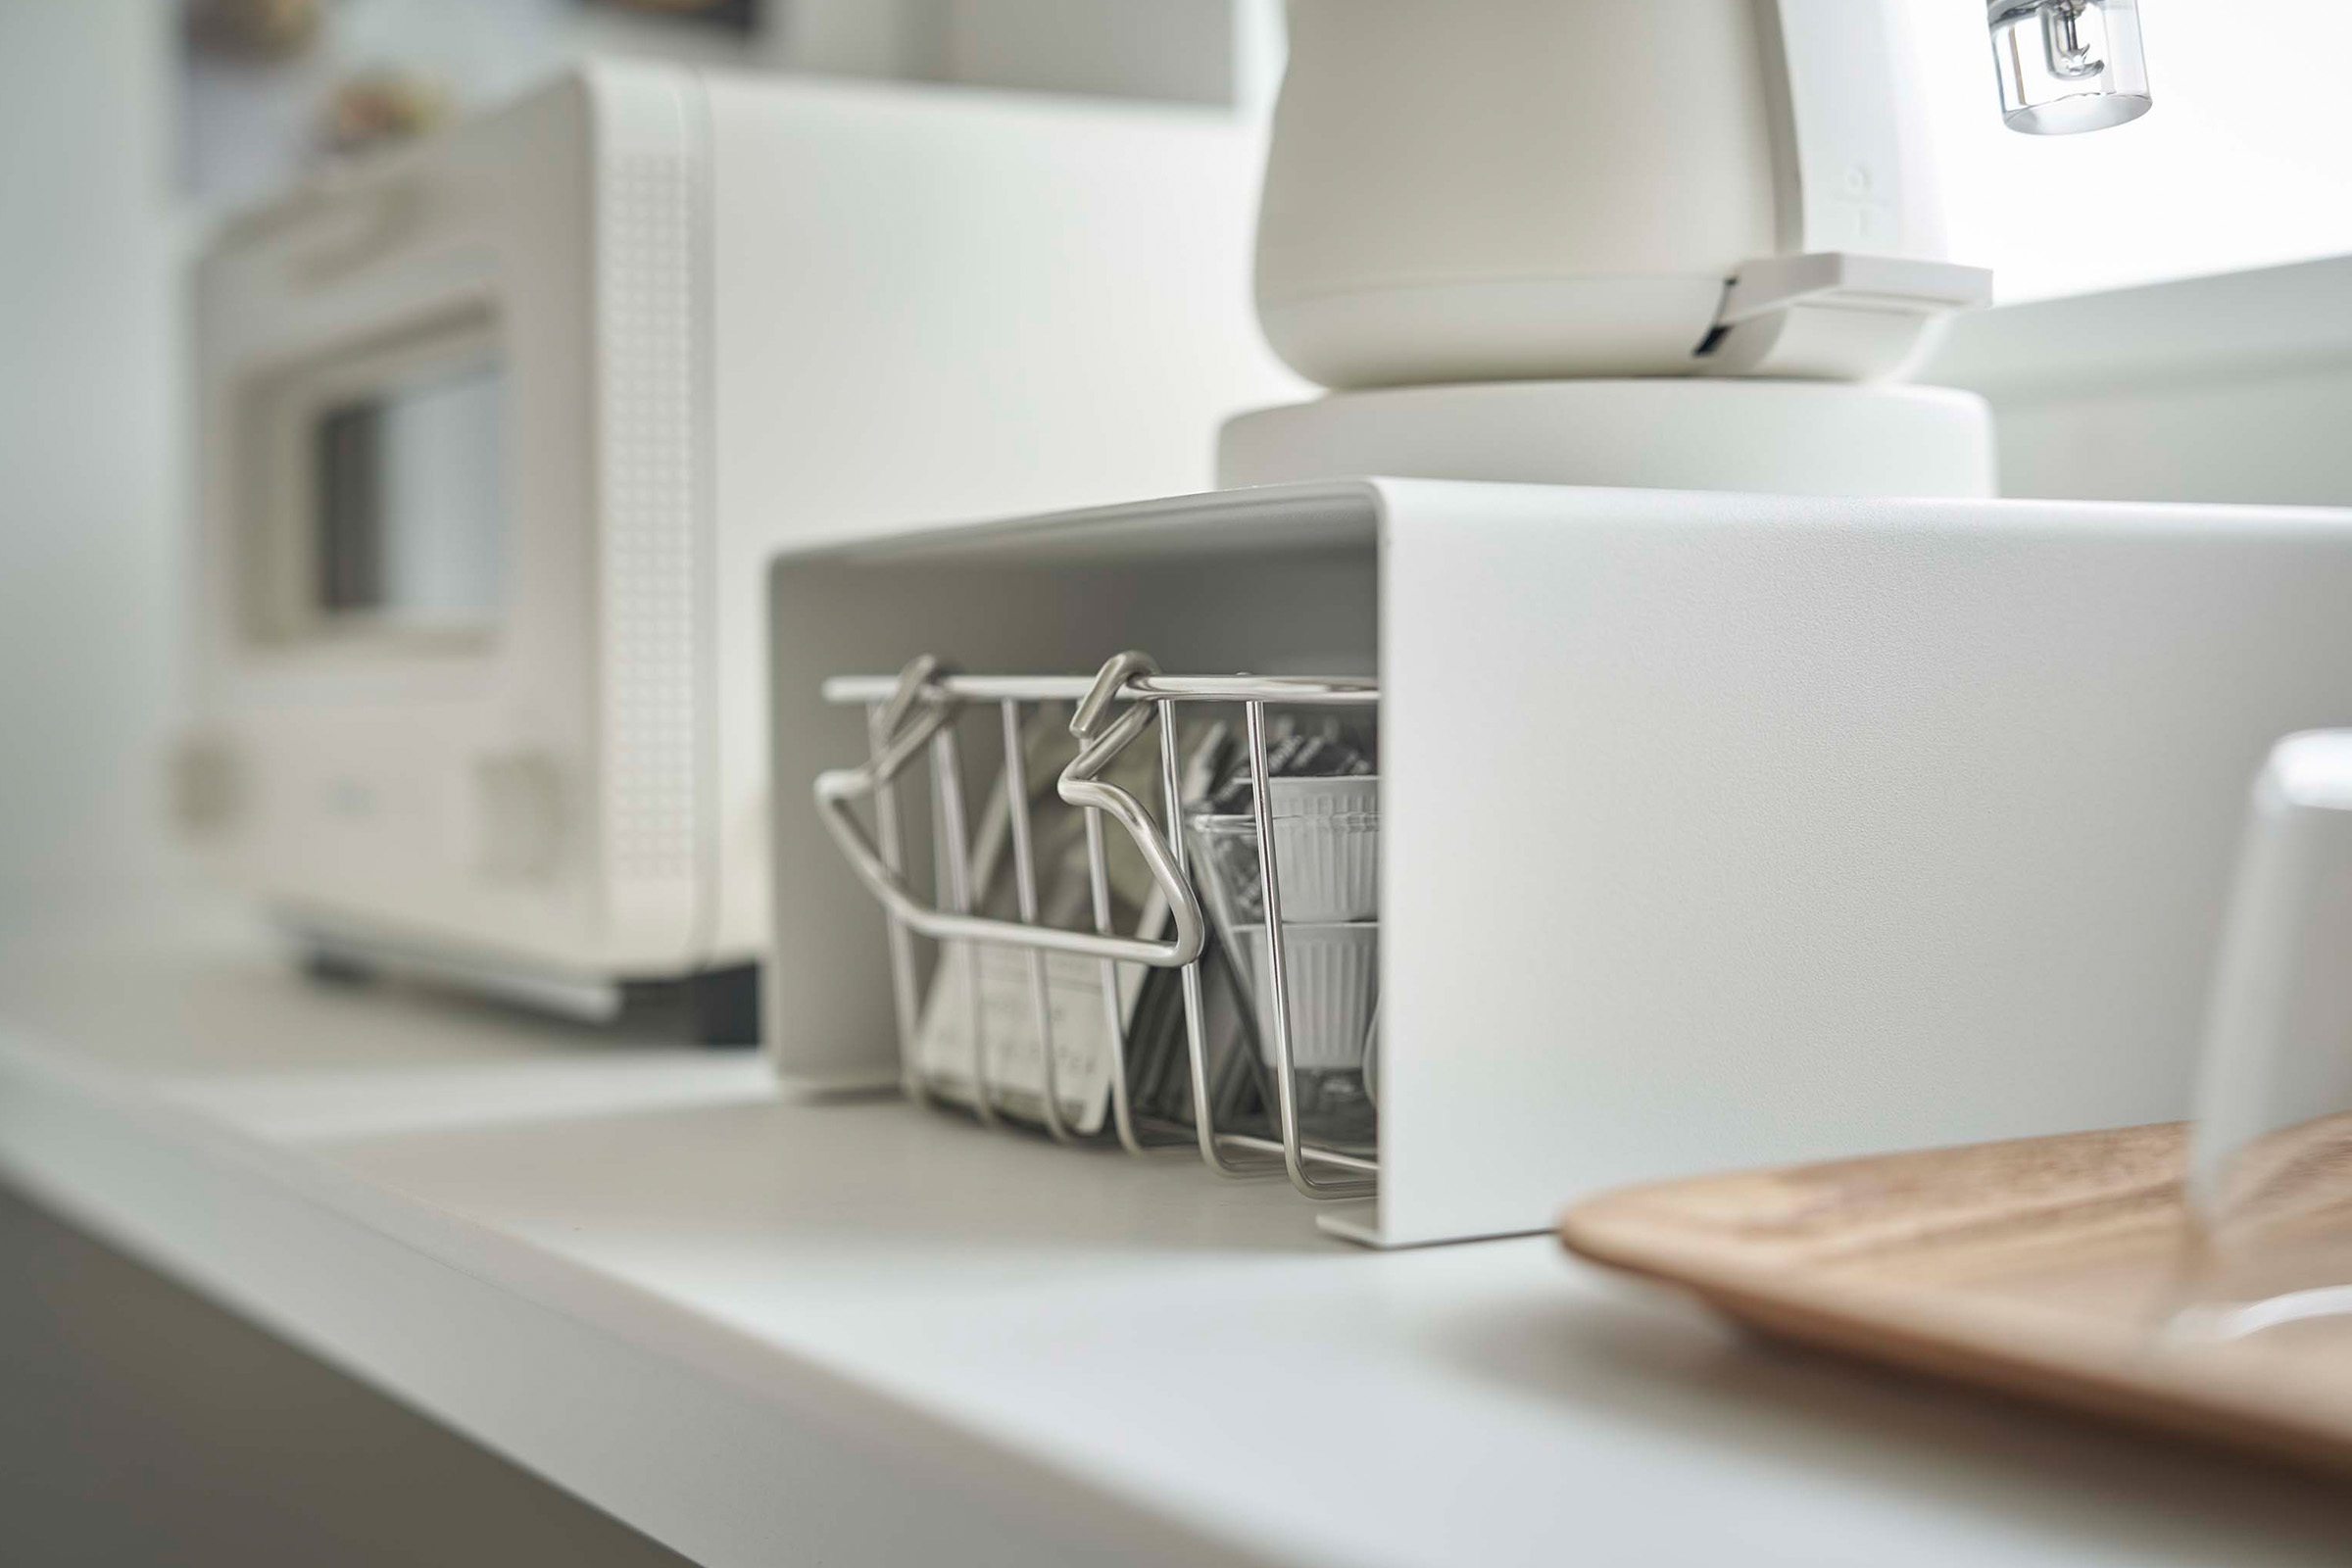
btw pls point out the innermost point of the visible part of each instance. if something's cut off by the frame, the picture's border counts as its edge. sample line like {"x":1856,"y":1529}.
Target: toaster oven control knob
{"x":518,"y":815}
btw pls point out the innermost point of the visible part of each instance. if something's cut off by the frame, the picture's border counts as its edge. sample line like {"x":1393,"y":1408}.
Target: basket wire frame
{"x":914,"y":715}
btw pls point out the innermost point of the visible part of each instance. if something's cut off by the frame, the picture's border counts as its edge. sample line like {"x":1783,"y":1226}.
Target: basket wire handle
{"x":921,"y":708}
{"x":1085,"y":719}
{"x":1024,"y":883}
{"x":1082,"y":785}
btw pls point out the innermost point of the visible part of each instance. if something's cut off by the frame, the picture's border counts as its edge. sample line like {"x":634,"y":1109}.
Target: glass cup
{"x":1327,"y":859}
{"x":2269,"y":1192}
{"x":2068,"y":66}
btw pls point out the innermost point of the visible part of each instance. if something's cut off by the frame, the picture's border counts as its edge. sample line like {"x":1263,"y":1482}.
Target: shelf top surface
{"x":1185,"y":1348}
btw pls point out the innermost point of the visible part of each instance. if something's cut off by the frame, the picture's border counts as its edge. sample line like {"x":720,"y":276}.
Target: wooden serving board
{"x":2046,"y":1268}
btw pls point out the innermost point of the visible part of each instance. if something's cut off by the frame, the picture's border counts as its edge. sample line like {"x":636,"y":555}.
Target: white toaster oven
{"x":496,"y":434}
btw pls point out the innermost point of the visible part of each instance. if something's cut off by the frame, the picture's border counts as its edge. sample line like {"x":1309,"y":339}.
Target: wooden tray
{"x":2044,"y":1268}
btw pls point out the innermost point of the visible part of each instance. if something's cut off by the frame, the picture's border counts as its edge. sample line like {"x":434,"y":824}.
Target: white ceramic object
{"x":1820,"y":438}
{"x":1332,"y":976}
{"x":1326,"y":850}
{"x":1497,"y":189}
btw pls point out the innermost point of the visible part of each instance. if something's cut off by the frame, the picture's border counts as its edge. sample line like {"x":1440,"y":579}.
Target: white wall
{"x":250,"y":125}
{"x":1176,"y":49}
{"x":88,"y":447}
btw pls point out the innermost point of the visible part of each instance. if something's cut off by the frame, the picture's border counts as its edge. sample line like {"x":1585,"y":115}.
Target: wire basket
{"x":1088,"y":972}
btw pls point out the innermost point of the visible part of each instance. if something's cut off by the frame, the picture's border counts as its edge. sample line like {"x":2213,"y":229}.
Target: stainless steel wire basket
{"x":926,"y":712}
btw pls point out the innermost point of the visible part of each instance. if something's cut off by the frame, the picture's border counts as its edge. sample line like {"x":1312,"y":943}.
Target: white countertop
{"x":764,"y":1331}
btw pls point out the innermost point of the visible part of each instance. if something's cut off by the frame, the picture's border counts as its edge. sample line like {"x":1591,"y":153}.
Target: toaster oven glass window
{"x":404,"y":527}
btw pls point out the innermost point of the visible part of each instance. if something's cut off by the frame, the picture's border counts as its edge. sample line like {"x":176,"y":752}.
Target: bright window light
{"x":2245,"y":161}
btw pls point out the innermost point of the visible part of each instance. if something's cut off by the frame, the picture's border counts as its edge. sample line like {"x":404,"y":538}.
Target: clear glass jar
{"x":2068,"y":66}
{"x":2269,"y":1192}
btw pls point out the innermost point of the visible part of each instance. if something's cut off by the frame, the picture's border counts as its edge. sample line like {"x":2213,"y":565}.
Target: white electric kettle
{"x":1490,"y":190}
{"x":1484,"y":223}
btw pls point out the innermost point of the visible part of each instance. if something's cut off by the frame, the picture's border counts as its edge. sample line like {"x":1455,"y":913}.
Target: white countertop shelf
{"x":768,"y":1331}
